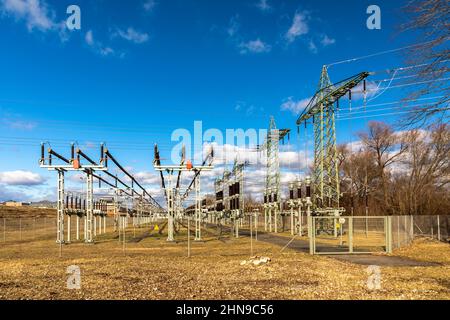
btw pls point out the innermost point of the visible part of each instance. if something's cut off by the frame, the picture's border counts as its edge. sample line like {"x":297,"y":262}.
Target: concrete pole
{"x":236,"y":222}
{"x":265,"y":218}
{"x":69,"y":218}
{"x":300,"y":218}
{"x":78,"y":228}
{"x":292,"y":220}
{"x":270,"y":219}
{"x":95,"y":226}
{"x":276,"y":217}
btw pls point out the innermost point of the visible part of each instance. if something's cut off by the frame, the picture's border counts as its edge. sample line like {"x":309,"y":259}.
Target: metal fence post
{"x":350,"y":233}
{"x":438,"y":229}
{"x":398,"y":231}
{"x":389,"y":234}
{"x":311,"y":234}
{"x":432,"y":231}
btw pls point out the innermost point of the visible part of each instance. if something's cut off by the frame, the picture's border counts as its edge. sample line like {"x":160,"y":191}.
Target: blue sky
{"x":137,"y":70}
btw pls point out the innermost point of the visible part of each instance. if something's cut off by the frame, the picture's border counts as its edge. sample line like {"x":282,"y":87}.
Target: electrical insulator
{"x":42,"y":153}
{"x":308,"y":187}
{"x":291,"y":191}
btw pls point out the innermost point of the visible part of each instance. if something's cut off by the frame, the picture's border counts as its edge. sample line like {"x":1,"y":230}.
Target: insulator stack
{"x":42,"y":153}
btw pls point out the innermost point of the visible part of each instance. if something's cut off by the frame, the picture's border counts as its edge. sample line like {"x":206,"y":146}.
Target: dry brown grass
{"x":155,"y":269}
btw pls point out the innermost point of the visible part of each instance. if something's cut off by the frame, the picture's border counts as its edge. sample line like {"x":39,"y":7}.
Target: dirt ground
{"x":155,"y":269}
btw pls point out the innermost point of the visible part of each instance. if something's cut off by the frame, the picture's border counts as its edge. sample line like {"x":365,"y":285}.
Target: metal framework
{"x":94,"y":212}
{"x":322,"y":109}
{"x":229,"y":196}
{"x":272,"y":193}
{"x":174,"y":197}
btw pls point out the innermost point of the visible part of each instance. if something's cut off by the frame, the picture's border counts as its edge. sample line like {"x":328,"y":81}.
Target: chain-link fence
{"x":343,"y":235}
{"x":432,"y":226}
{"x":402,"y":230}
{"x":26,"y":229}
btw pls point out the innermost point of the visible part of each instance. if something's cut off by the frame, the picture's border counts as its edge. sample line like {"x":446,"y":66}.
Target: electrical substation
{"x":310,"y":209}
{"x":213,"y":158}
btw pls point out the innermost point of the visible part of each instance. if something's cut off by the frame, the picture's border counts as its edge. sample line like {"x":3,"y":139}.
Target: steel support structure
{"x":272,"y":191}
{"x":89,"y":227}
{"x":170,"y":213}
{"x":60,"y":208}
{"x":198,"y":209}
{"x":322,"y":109}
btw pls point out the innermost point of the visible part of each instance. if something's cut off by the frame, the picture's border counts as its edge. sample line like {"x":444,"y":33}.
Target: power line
{"x":393,"y":102}
{"x":386,"y":114}
{"x":383,"y":109}
{"x":378,"y":53}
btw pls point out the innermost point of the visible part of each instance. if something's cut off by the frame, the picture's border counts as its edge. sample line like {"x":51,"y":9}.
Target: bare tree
{"x":426,"y":168}
{"x":385,"y":147}
{"x":359,"y":179}
{"x":430,"y":19}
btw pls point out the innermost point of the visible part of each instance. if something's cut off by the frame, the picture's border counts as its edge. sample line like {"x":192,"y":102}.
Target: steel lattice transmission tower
{"x":272,"y":193}
{"x":273,"y":161}
{"x":274,"y":136}
{"x":322,"y":109}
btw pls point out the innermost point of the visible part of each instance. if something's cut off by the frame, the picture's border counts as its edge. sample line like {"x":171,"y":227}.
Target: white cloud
{"x":20,"y":124}
{"x":34,"y":12}
{"x":233,"y":26}
{"x":299,"y":27}
{"x":264,"y":5}
{"x":312,"y":46}
{"x":146,"y":177}
{"x":132,"y":35}
{"x":21,"y":178}
{"x":254,"y":46}
{"x":89,"y":38}
{"x":294,"y":106}
{"x":149,"y":5}
{"x":326,"y":41}
{"x":18,"y":193}
{"x":371,"y":89}
{"x":97,"y":46}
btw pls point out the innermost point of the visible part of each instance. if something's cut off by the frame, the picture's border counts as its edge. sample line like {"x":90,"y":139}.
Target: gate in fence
{"x":350,"y":235}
